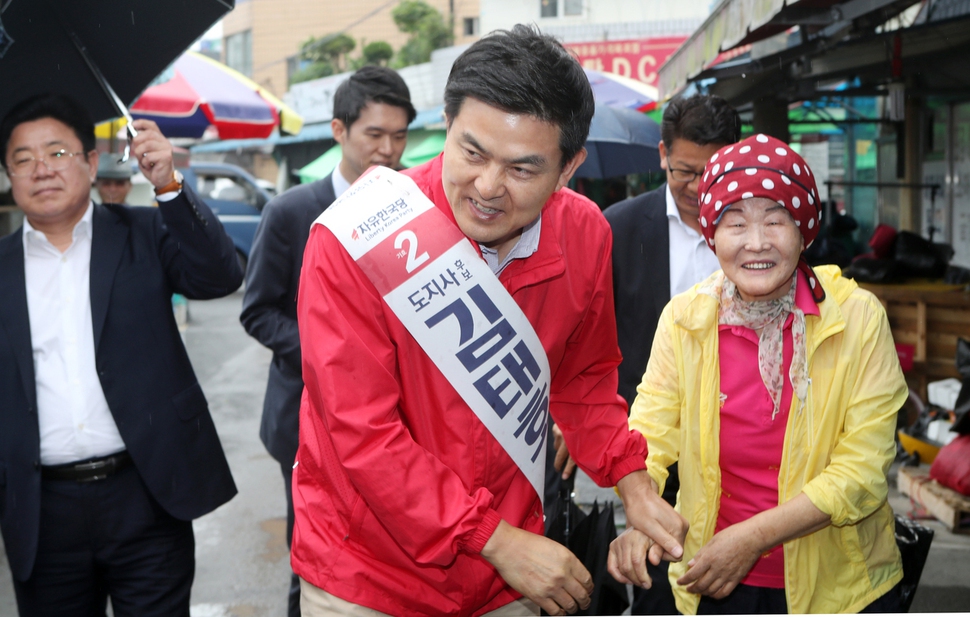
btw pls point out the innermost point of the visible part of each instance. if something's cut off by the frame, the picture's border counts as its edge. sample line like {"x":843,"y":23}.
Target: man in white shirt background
{"x":659,"y":252}
{"x":107,"y":448}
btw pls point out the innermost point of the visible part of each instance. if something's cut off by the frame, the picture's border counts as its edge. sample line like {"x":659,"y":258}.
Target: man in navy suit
{"x":658,"y":252}
{"x":371,"y":113}
{"x":107,"y":448}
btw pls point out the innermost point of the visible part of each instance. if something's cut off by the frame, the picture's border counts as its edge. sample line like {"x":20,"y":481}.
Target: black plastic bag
{"x":914,"y":542}
{"x":872,"y":270}
{"x":918,"y":257}
{"x":955,"y":275}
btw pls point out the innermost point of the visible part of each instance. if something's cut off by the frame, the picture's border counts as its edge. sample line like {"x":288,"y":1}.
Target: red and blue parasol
{"x":200,"y":92}
{"x":617,"y":91}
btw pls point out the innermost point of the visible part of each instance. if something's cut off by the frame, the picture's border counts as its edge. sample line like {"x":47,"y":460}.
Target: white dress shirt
{"x":340,"y":184}
{"x":73,"y":416}
{"x":691,"y":260}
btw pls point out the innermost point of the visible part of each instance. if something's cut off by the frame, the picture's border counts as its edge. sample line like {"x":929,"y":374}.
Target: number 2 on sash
{"x":414,"y":260}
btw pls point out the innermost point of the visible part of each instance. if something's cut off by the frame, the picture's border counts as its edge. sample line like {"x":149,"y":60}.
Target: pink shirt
{"x":751,"y":442}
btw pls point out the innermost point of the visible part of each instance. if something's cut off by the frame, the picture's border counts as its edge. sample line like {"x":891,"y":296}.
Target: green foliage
{"x":427,"y":28}
{"x":329,"y":54}
{"x":326,"y":55}
{"x":312,"y":71}
{"x":332,"y":49}
{"x":411,"y":15}
{"x":378,"y":52}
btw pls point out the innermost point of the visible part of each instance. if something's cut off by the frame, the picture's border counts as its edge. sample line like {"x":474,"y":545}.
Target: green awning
{"x":321,"y":166}
{"x":422,"y":146}
{"x":424,"y":149}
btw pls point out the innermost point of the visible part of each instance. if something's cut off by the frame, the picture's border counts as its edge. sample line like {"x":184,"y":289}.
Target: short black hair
{"x":701,"y":119}
{"x":371,"y":84}
{"x":60,"y":107}
{"x":523,"y":71}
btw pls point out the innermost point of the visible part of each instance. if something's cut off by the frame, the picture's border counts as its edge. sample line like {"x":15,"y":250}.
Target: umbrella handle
{"x":131,"y":134}
{"x":566,"y":497}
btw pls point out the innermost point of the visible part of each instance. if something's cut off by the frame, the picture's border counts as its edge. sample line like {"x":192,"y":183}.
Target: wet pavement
{"x":242,"y":565}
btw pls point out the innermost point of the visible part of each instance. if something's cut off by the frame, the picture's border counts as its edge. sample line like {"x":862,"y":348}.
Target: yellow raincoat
{"x":837,"y":451}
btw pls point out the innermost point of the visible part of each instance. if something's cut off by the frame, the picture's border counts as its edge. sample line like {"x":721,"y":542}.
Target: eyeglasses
{"x":682,"y":175}
{"x":55,"y":159}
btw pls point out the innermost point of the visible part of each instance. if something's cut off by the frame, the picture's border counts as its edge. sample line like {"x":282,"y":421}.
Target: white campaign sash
{"x":437,"y":284}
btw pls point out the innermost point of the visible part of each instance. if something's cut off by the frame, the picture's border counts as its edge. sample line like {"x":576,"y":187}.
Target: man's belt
{"x":89,"y":470}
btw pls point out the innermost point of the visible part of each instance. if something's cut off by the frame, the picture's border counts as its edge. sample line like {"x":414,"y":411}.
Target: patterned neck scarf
{"x":768,"y":318}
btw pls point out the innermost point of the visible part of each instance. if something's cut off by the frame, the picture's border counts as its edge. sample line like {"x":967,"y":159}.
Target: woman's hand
{"x":647,"y":512}
{"x":627,"y":561}
{"x":723,"y":562}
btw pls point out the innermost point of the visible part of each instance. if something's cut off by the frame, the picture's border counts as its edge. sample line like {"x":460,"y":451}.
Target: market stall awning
{"x":732,"y":24}
{"x":929,"y":57}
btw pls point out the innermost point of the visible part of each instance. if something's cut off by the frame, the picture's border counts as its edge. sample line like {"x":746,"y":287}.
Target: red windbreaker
{"x":398,"y":485}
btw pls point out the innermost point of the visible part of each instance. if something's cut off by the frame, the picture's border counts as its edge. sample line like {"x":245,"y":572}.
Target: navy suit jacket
{"x":269,"y":306}
{"x":641,"y":279}
{"x":139,"y":258}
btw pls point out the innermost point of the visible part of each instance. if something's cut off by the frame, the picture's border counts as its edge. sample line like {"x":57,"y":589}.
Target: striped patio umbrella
{"x":618,"y":91}
{"x":198,"y":92}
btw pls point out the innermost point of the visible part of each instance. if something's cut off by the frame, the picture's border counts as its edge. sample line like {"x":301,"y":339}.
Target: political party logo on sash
{"x":436,"y":283}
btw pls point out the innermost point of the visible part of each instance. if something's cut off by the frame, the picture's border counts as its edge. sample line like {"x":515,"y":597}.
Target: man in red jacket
{"x":405,"y":502}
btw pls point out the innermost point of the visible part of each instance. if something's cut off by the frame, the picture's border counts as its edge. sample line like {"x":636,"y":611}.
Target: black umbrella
{"x":914,"y":542}
{"x":621,"y":141}
{"x":588,"y":536}
{"x":101,"y":52}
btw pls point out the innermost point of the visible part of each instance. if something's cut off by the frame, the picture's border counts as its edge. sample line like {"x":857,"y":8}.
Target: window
{"x":551,"y":8}
{"x":239,"y":52}
{"x":470,"y":26}
{"x":572,"y":7}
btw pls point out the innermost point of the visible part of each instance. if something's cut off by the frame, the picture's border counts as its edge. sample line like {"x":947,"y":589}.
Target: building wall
{"x":313,"y":100}
{"x":496,"y":14}
{"x":279,"y":27}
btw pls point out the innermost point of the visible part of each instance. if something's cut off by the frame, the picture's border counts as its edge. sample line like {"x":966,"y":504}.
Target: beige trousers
{"x":315,"y":602}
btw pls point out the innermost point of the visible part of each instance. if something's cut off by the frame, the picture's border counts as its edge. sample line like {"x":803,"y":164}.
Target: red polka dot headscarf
{"x":761,"y":166}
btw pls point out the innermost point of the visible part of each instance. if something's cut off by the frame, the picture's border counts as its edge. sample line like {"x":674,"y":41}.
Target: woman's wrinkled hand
{"x":723,"y":562}
{"x":627,"y":561}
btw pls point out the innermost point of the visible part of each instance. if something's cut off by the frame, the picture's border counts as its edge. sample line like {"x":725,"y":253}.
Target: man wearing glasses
{"x":658,"y":252}
{"x":107,"y":448}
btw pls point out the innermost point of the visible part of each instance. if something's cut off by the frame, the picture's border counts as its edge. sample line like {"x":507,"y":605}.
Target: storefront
{"x":889,"y":85}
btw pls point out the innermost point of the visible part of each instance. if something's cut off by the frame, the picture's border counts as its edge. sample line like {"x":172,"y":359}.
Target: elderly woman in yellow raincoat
{"x":776,"y":388}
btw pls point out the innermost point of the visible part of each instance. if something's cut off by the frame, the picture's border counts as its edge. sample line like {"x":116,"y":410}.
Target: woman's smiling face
{"x":758,"y":245}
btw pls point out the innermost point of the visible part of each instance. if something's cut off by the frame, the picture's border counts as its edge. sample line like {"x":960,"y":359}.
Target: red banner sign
{"x":638,"y":59}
